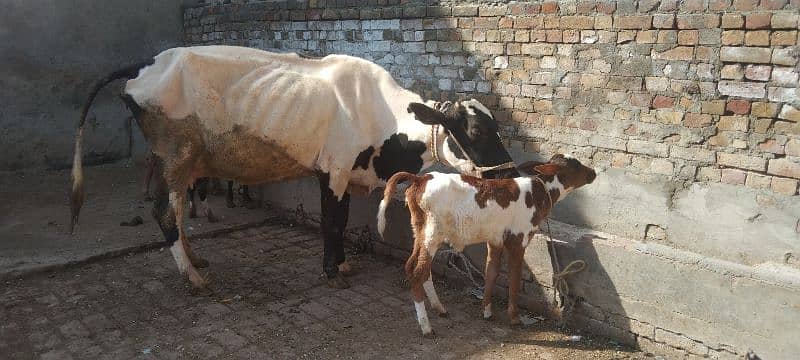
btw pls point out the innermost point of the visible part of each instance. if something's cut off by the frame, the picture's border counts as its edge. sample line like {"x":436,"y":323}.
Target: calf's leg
{"x":494,"y":255}
{"x":516,"y":253}
{"x":421,"y":275}
{"x":334,"y":220}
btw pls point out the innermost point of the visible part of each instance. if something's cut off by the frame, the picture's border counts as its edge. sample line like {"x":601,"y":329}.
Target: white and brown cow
{"x":256,"y":117}
{"x":461,"y":210}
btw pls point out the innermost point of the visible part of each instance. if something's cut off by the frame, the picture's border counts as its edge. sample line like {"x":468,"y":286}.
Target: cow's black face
{"x":471,"y":125}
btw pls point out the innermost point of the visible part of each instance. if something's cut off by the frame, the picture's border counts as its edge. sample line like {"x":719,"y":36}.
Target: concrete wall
{"x":688,"y":108}
{"x":51,"y":52}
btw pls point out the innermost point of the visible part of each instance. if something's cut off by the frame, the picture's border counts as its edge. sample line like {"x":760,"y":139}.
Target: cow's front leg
{"x":334,"y":220}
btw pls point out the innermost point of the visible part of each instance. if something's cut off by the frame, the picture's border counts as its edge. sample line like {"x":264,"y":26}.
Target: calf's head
{"x":471,"y":129}
{"x":568,"y":170}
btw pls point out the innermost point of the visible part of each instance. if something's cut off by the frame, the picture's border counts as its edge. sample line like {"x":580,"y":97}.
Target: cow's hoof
{"x":345,"y":268}
{"x":339,"y":282}
{"x":230,"y":204}
{"x":199,"y":282}
{"x":444,"y":314}
{"x":200,"y":263}
{"x":252,"y":205}
{"x":211,"y":218}
{"x":514,"y":321}
{"x":429,"y":335}
{"x":192,"y":213}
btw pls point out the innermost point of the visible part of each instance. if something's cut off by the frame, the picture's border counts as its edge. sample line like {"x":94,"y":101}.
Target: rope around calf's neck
{"x":560,"y":285}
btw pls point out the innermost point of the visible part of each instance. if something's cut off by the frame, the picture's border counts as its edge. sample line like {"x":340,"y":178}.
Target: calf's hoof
{"x":345,"y":267}
{"x":444,"y":314}
{"x":338,"y":282}
{"x":514,"y":321}
{"x":429,"y":335}
{"x":192,"y":213}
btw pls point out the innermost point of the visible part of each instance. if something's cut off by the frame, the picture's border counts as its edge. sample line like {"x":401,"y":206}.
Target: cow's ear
{"x":529,"y":167}
{"x":547,"y":169}
{"x":426,"y":114}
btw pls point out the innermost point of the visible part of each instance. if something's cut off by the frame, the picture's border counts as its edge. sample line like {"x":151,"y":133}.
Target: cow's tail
{"x":77,"y":194}
{"x":391,"y":185}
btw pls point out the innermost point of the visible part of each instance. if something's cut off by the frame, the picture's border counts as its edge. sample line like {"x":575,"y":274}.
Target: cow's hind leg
{"x":229,"y":195}
{"x":334,"y":220}
{"x":202,"y":185}
{"x":192,"y":206}
{"x":168,"y":212}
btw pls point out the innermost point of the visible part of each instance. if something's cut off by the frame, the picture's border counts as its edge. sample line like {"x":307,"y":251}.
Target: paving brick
{"x":642,"y":22}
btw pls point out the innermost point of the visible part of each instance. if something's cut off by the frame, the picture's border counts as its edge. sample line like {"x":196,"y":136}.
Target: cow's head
{"x":570,"y":172}
{"x":472,"y":130}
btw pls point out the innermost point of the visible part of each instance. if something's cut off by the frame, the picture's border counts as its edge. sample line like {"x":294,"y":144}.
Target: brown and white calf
{"x":462,"y":210}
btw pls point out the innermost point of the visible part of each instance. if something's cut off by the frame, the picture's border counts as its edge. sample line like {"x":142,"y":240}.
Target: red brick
{"x":577,"y":22}
{"x":663,"y":102}
{"x":758,"y":21}
{"x":585,"y":7}
{"x":740,"y":107}
{"x":771,"y":146}
{"x":732,"y":21}
{"x":641,"y":100}
{"x":718,"y":5}
{"x":553,"y":35}
{"x":550,"y":7}
{"x":633,"y":22}
{"x":758,"y":72}
{"x":688,"y":37}
{"x":694,"y":120}
{"x":745,"y":5}
{"x":733,"y":176}
{"x":606,"y":7}
{"x":773,"y":4}
{"x":783,"y":38}
{"x":692,"y":5}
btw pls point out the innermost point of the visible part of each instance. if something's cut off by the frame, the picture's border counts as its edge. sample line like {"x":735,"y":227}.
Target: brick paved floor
{"x":268,"y":302}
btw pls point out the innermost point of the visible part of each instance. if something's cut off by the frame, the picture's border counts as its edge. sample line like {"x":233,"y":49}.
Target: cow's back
{"x":321,"y":112}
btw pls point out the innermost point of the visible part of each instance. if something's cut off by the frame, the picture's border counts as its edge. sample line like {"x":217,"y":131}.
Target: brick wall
{"x":685,"y":90}
{"x":690,"y":109}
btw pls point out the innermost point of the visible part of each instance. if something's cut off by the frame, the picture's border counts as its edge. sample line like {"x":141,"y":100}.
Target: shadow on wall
{"x":431,"y":57}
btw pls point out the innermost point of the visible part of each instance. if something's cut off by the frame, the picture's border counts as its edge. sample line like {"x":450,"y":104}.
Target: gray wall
{"x":51,"y":51}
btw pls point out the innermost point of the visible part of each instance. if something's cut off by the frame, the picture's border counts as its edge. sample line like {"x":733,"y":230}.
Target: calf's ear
{"x":426,"y":114}
{"x":547,"y":169}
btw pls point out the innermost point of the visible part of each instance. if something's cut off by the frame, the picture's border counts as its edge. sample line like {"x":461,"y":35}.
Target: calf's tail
{"x":391,"y":185}
{"x":77,"y":193}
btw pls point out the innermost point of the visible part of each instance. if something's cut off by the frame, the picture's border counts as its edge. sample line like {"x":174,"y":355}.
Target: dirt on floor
{"x":268,"y":302}
{"x":34,"y":216}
